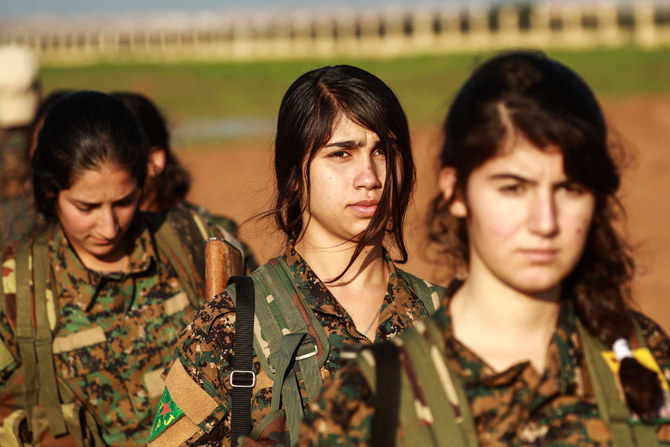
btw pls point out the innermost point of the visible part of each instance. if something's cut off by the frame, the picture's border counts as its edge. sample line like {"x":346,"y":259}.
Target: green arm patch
{"x":6,"y":357}
{"x":167,"y":414}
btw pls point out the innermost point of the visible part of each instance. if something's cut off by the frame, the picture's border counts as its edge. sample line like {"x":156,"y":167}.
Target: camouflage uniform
{"x":114,"y":333}
{"x":515,"y":407}
{"x":203,"y":359}
{"x":17,"y":213}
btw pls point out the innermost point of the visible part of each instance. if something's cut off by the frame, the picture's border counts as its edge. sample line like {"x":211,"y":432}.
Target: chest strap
{"x":387,"y":397}
{"x":434,"y":409}
{"x":34,"y":337}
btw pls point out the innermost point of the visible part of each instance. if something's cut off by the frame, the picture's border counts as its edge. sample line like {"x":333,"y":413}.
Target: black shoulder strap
{"x":242,"y":378}
{"x":387,"y":397}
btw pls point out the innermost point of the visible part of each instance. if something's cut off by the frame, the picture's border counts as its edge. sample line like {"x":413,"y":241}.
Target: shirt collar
{"x":81,"y":284}
{"x":318,"y":296}
{"x":563,"y":354}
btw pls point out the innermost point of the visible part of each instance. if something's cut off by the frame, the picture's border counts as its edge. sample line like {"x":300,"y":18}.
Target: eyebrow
{"x":345,"y":144}
{"x":519,"y":178}
{"x":510,"y":176}
{"x":122,"y":199}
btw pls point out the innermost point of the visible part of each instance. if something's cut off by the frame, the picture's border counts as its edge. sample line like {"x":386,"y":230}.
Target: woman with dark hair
{"x":533,"y":346}
{"x":344,"y":175}
{"x":168,"y":182}
{"x":93,"y":302}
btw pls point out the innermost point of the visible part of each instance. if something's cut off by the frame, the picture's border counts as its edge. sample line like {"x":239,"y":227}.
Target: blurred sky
{"x":22,"y":8}
{"x":25,"y":7}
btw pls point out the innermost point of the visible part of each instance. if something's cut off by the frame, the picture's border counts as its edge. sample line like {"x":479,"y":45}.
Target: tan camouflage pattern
{"x":206,"y":347}
{"x":515,"y":407}
{"x":114,"y":333}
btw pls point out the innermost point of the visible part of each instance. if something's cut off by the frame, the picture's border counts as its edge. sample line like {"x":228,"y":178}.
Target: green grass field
{"x":424,"y":84}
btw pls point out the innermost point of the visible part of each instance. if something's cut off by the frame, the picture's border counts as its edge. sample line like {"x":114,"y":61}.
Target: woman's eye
{"x":338,"y":154}
{"x":512,"y":189}
{"x":128,"y":201}
{"x":574,"y":189}
{"x":379,"y":152}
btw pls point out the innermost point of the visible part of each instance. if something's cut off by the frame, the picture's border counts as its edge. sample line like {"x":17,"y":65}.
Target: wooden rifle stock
{"x":222,"y":260}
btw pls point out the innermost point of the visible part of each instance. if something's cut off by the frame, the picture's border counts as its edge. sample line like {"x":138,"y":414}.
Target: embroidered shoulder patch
{"x":167,"y":414}
{"x":644,"y":357}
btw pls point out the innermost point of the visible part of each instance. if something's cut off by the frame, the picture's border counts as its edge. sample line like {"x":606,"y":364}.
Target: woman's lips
{"x":365,"y":207}
{"x":542,"y":256}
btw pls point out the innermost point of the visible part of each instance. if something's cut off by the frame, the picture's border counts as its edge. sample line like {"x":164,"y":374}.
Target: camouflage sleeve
{"x":197,"y":398}
{"x":342,"y":414}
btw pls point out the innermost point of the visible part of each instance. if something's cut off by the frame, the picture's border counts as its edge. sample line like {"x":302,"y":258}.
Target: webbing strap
{"x":311,"y":374}
{"x":25,"y":334}
{"x":286,"y":383}
{"x":387,"y":397}
{"x":306,"y":342}
{"x":243,"y":357}
{"x":612,"y":409}
{"x":277,"y":278}
{"x":429,"y":295}
{"x":435,"y":389}
{"x":171,"y":247}
{"x":48,"y":389}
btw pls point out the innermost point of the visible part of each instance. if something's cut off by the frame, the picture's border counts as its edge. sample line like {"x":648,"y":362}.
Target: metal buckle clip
{"x":242,"y":379}
{"x":309,"y":354}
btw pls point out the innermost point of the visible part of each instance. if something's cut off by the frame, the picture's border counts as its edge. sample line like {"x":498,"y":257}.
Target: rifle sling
{"x":387,"y":397}
{"x":243,"y":358}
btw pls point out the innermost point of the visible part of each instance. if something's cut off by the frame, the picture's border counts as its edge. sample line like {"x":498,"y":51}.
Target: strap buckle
{"x":309,"y":354}
{"x":242,"y":379}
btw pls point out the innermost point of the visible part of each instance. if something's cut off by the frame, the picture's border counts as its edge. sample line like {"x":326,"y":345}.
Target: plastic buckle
{"x":309,"y":354}
{"x":247,"y":378}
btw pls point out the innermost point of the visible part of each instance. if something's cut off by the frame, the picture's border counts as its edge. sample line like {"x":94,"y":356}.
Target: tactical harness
{"x":43,"y":389}
{"x":443,"y":393}
{"x":293,"y":346}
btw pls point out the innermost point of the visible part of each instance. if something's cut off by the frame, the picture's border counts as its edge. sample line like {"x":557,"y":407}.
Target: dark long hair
{"x":549,"y":104}
{"x":172,"y":185}
{"x":308,"y":112}
{"x":83,"y":130}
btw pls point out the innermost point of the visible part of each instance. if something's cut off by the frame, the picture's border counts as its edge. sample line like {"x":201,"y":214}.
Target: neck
{"x":329,"y":262}
{"x":150,"y":201}
{"x":504,"y":308}
{"x":361,"y":289}
{"x":116,"y":261}
{"x":502,"y":325}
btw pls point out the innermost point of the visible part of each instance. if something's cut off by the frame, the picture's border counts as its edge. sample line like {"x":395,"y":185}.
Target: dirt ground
{"x":238,"y":182}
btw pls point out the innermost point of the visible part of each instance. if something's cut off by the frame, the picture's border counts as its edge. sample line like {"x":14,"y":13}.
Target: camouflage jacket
{"x":515,"y":407}
{"x":203,"y":359}
{"x":17,"y":213}
{"x":114,"y":333}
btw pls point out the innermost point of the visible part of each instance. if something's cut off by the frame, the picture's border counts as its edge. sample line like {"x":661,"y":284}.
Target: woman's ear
{"x":157,"y":160}
{"x":448,"y":183}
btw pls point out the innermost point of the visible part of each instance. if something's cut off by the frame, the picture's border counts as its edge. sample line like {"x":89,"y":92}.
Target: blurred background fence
{"x":379,"y":32}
